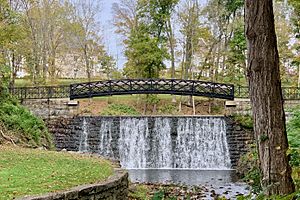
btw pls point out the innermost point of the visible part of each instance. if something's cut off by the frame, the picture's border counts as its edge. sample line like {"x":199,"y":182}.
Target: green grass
{"x":32,"y":172}
{"x":27,"y":127}
{"x":22,"y":82}
{"x":119,"y":110}
{"x":139,"y":192}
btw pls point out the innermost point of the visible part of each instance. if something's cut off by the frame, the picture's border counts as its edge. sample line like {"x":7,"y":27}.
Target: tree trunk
{"x":172,"y":52}
{"x":298,"y":84}
{"x":266,"y":97}
{"x":13,"y":71}
{"x":87,"y":63}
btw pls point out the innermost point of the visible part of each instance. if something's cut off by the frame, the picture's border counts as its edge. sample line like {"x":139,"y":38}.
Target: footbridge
{"x":126,"y":87}
{"x":143,"y":86}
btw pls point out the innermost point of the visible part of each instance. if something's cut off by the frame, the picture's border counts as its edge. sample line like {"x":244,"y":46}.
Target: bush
{"x":119,"y":109}
{"x":244,"y":120}
{"x":29,"y":128}
{"x":293,"y":130}
{"x":168,"y":109}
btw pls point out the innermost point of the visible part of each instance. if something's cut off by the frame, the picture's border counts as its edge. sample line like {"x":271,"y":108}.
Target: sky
{"x":112,"y":41}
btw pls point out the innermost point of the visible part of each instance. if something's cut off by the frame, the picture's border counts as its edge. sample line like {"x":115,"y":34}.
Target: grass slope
{"x":31,"y":172}
{"x":20,"y":124}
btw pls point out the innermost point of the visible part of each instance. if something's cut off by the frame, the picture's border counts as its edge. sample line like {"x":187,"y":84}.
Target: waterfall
{"x":133,"y":142}
{"x":201,"y":143}
{"x":162,"y":136}
{"x":105,"y":133}
{"x":83,"y":145}
{"x":159,"y":142}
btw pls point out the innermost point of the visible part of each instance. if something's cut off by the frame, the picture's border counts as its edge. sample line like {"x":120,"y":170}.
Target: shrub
{"x":293,"y":130}
{"x":168,"y":109}
{"x":119,"y":109}
{"x":244,"y":120}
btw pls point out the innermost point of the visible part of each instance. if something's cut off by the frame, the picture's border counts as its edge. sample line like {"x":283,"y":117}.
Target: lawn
{"x":23,"y":82}
{"x":32,"y":171}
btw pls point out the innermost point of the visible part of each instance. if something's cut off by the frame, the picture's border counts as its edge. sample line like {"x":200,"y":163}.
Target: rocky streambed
{"x":138,"y":191}
{"x":185,"y":184}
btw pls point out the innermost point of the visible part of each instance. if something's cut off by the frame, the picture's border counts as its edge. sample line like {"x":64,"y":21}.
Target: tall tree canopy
{"x":147,"y":42}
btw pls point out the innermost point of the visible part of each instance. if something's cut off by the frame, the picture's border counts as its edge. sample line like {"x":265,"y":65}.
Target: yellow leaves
{"x":278,"y":148}
{"x":283,"y":173}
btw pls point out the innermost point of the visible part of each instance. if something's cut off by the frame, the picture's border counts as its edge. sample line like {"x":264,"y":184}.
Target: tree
{"x":126,"y":22}
{"x":10,"y":35}
{"x":125,"y":17}
{"x":190,"y":20}
{"x":146,"y":44}
{"x":266,"y":97}
{"x":283,"y":27}
{"x":45,"y":24}
{"x":295,"y":18}
{"x":145,"y":57}
{"x":236,"y":57}
{"x":85,"y":32}
{"x":108,"y":65}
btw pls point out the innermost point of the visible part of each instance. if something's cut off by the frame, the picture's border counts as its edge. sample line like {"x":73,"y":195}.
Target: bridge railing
{"x":143,"y":86}
{"x":289,"y":93}
{"x":41,"y":92}
{"x":241,"y":92}
{"x":151,"y":86}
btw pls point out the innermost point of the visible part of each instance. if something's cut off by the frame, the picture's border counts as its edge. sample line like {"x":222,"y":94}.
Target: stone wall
{"x":243,"y":107}
{"x":115,"y":188}
{"x":239,"y":138}
{"x":52,"y":108}
{"x":67,"y":133}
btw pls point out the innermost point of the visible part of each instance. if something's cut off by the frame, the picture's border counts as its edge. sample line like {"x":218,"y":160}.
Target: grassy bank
{"x":23,"y":82}
{"x":20,"y":125}
{"x":32,"y":171}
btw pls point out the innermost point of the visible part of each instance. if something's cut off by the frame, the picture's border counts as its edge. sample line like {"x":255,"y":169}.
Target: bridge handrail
{"x":63,"y":91}
{"x":289,"y":93}
{"x":41,"y":92}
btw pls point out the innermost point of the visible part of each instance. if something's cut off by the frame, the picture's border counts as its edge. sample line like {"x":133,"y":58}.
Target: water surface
{"x":223,"y":182}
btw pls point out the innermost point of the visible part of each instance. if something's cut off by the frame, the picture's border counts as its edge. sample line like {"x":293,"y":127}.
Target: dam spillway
{"x":157,"y":142}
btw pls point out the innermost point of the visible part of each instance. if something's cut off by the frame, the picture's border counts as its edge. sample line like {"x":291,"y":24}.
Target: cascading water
{"x":105,"y":148}
{"x":161,"y":142}
{"x":83,"y":145}
{"x":201,"y":143}
{"x":141,"y":147}
{"x":133,"y":142}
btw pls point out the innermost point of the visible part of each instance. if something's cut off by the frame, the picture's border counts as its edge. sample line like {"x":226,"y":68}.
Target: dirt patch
{"x":165,"y":106}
